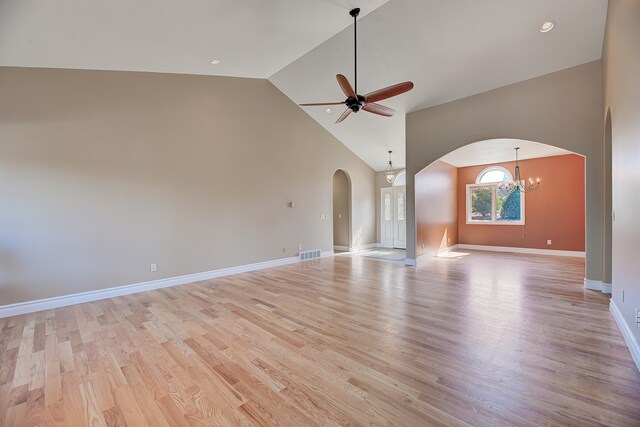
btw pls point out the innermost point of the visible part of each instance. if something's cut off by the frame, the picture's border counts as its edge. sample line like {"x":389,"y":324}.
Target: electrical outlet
{"x":548,"y":242}
{"x":299,"y":247}
{"x":423,"y":246}
{"x":153,"y":267}
{"x":623,"y":295}
{"x":637,"y":316}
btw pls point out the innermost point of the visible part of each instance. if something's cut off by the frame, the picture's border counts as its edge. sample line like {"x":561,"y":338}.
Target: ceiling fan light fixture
{"x":356,"y":102}
{"x":547,"y":26}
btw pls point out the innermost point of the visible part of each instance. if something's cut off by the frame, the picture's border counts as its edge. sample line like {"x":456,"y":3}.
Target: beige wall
{"x":340,"y":209}
{"x":621,"y":76}
{"x":563,"y":109}
{"x":104,"y":173}
{"x":436,"y":208}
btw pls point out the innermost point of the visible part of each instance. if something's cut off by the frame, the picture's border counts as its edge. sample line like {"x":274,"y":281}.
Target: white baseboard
{"x":593,"y":285}
{"x":325,"y":254}
{"x":356,"y":248}
{"x":533,"y":251}
{"x":607,"y":288}
{"x":438,"y":252}
{"x":65,"y":300}
{"x":410,"y":261}
{"x":632,"y":344}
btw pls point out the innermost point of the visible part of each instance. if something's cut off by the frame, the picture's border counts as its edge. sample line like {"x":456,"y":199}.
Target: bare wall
{"x":563,"y":109}
{"x":553,"y":212}
{"x":621,"y":76}
{"x":436,"y":207}
{"x":104,"y":173}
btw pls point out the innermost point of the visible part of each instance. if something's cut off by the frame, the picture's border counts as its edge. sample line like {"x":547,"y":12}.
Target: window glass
{"x":400,"y":206}
{"x":507,"y":205}
{"x":493,"y":175}
{"x":481,"y":204}
{"x":387,"y":207}
{"x":400,"y":180}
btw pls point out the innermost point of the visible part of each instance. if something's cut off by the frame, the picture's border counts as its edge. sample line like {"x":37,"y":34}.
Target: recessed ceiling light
{"x":327,"y":110}
{"x":215,"y":61}
{"x":547,"y":26}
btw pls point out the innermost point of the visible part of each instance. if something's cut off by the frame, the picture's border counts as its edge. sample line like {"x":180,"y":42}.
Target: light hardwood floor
{"x":483,"y":339}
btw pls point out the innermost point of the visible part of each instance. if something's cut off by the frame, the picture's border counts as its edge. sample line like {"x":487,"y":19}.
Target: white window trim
{"x":493,"y":221}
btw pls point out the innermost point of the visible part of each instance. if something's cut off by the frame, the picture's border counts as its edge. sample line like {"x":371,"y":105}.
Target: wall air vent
{"x":305,"y":255}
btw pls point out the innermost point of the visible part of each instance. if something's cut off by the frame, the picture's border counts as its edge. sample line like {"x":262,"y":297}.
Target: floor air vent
{"x":309,"y":254}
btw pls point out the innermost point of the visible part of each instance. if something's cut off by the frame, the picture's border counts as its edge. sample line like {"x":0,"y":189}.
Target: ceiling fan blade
{"x":379,"y":109}
{"x":318,"y":104}
{"x":346,"y":86}
{"x":388,"y":92}
{"x":343,"y":115}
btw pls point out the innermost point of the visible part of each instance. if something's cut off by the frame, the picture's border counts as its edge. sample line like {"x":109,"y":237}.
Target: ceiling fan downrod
{"x":355,"y":12}
{"x":368,"y":102}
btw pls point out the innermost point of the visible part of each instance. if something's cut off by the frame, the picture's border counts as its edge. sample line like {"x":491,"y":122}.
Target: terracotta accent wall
{"x":556,"y":211}
{"x":436,"y":207}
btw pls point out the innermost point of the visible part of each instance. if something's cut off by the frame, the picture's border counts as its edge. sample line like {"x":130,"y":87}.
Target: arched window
{"x":489,"y":201}
{"x":493,"y":174}
{"x":401,"y":179}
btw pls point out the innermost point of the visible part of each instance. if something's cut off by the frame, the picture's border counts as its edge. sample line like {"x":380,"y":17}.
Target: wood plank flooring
{"x":481,"y":339}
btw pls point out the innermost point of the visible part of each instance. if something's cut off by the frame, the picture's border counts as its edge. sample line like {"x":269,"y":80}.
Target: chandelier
{"x":518,"y":183}
{"x":390,"y":172}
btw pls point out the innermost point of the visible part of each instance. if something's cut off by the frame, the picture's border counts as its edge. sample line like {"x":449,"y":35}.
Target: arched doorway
{"x":467,"y":200}
{"x":341,"y":211}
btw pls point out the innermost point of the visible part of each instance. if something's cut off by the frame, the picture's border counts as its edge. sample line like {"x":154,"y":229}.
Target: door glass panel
{"x":387,"y":207}
{"x":400,"y":206}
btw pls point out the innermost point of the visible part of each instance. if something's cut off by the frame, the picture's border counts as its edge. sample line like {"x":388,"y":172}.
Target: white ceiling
{"x":449,"y":48}
{"x":498,"y":151}
{"x":253,"y":38}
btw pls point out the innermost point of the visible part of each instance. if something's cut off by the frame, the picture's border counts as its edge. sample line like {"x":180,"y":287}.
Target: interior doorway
{"x":341,"y":211}
{"x":393,"y":218}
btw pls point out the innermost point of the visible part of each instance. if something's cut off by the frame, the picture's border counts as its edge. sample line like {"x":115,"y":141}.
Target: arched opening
{"x":467,"y":200}
{"x":608,"y":205}
{"x":341,"y":211}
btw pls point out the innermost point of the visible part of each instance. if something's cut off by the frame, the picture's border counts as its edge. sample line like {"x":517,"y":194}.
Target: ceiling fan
{"x":356,"y":102}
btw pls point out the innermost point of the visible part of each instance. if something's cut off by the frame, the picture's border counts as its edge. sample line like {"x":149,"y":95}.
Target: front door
{"x":400,"y":217}
{"x":386,"y":217}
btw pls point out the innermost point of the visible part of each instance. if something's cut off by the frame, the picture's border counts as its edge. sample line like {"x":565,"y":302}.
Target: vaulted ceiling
{"x":449,"y":48}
